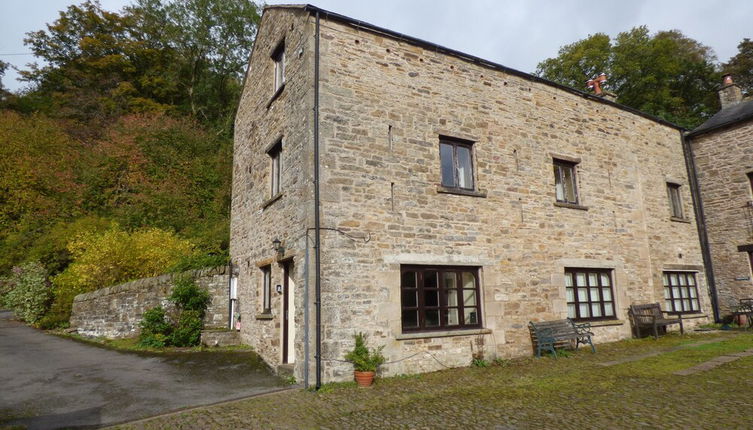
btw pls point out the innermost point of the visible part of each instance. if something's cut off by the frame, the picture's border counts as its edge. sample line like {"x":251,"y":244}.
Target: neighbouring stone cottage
{"x":722,"y":150}
{"x":454,"y":200}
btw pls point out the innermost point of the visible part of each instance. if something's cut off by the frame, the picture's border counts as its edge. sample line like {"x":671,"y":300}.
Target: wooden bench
{"x":745,"y":307}
{"x":546,"y":335}
{"x":651,"y":316}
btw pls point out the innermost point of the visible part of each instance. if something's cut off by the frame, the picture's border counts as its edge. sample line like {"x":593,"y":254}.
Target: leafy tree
{"x":666,"y":74}
{"x":29,"y":292}
{"x":741,"y":66}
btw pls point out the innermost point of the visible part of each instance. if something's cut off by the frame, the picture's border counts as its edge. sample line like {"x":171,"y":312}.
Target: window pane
{"x":686,"y":304}
{"x":410,"y":319}
{"x":452,"y":297}
{"x":471,"y":315}
{"x":469,"y":297}
{"x":571,"y":310}
{"x":691,"y":279}
{"x":582,"y":294}
{"x":580,"y":279}
{"x":683,"y":292}
{"x":665,"y":277}
{"x":693,"y":292}
{"x":431,"y":298}
{"x":606,"y":294}
{"x":593,"y":279}
{"x":432,"y":318}
{"x":465,"y":169}
{"x":568,"y":279}
{"x":410,"y":298}
{"x":469,"y":280}
{"x":595,"y":310}
{"x":569,"y":182}
{"x":676,"y":292}
{"x":667,"y":293}
{"x":605,"y":281}
{"x":447,"y":164}
{"x":408,"y":280}
{"x":594,"y":294}
{"x":452,"y":317}
{"x":570,"y":294}
{"x":608,"y":310}
{"x":449,"y":279}
{"x":430,"y":279}
{"x":677,"y":305}
{"x":559,"y":187}
{"x":673,"y":278}
{"x":694,"y":304}
{"x":669,"y":306}
{"x":583,"y":309}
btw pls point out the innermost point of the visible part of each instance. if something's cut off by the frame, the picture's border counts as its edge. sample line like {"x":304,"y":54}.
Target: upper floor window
{"x":275,"y":154}
{"x":565,"y":185}
{"x":675,"y":202}
{"x":680,"y":292}
{"x":456,"y":159}
{"x":589,"y":294}
{"x":439,"y":298}
{"x":278,"y":56}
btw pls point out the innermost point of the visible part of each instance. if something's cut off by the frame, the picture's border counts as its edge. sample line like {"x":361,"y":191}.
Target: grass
{"x":574,"y":392}
{"x":132,"y":344}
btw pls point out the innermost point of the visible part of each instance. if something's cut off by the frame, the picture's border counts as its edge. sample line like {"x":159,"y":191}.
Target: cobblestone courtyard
{"x":625,"y":385}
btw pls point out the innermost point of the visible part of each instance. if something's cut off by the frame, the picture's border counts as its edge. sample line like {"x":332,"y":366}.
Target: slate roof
{"x":727,"y":116}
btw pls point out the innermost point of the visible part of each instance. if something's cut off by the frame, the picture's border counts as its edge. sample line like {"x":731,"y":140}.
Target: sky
{"x":518,"y":34}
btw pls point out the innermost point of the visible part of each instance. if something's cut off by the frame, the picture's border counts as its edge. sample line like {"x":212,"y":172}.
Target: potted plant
{"x":365,"y":361}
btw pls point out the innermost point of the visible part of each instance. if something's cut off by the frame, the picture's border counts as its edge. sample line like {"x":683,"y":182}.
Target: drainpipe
{"x":695,"y":191}
{"x":317,"y":225}
{"x":230,"y":294}
{"x":306,"y":314}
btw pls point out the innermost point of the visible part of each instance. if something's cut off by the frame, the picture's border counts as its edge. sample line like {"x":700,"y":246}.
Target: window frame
{"x":602,"y":303}
{"x":674,"y":194}
{"x":266,"y":289}
{"x":559,"y":165}
{"x":278,"y":57}
{"x":669,"y":298}
{"x":456,"y":143}
{"x":443,"y":307}
{"x":750,"y":182}
{"x":275,"y":172}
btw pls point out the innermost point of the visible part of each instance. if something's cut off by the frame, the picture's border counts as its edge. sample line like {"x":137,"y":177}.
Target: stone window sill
{"x":605,"y":323}
{"x":276,"y":95}
{"x":264,"y":316}
{"x":269,"y":202}
{"x":446,"y":333}
{"x":460,"y":191}
{"x":676,"y":219}
{"x":571,"y":206}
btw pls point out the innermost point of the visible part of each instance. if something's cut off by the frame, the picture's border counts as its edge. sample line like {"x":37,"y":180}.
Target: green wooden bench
{"x":650,"y":316}
{"x":547,"y":335}
{"x":745,"y":307}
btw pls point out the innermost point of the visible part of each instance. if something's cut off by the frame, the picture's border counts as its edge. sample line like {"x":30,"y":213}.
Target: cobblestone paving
{"x":569,"y":393}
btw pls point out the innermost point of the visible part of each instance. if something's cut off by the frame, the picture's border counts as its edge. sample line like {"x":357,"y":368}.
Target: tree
{"x":666,"y":74}
{"x":741,"y":66}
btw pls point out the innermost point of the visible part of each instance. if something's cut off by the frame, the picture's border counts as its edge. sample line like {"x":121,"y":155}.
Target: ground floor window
{"x":680,"y":292}
{"x":589,"y":294}
{"x":439,"y":298}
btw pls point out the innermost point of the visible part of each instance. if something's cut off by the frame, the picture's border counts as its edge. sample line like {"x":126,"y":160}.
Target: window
{"x":266,"y":289}
{"x":589,"y":294}
{"x":275,"y":154}
{"x":456,"y":162}
{"x":675,"y":203}
{"x":439,"y":298}
{"x":750,"y":181}
{"x":564,"y":182}
{"x":680,"y":292}
{"x":278,"y":56}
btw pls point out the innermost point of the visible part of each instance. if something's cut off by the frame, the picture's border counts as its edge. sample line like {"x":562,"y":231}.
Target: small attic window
{"x":278,"y":56}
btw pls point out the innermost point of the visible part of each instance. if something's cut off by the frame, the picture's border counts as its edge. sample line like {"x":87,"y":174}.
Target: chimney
{"x":596,"y":84}
{"x":730,"y":94}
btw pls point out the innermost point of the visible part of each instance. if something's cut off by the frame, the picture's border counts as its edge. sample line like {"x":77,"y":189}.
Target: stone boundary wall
{"x":116,"y":311}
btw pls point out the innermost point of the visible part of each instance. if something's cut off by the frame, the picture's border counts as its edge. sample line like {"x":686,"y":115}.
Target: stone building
{"x":722,"y":150}
{"x":452,"y":199}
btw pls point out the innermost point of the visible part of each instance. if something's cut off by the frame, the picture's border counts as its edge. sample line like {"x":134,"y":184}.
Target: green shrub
{"x":187,"y":296}
{"x":156,"y":341}
{"x":188,"y":330}
{"x":29,"y":292}
{"x":200,"y":261}
{"x":363,"y":359}
{"x":155,"y":330}
{"x":479,"y":362}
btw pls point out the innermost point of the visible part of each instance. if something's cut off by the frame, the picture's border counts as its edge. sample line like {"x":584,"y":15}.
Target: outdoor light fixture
{"x":277,"y":246}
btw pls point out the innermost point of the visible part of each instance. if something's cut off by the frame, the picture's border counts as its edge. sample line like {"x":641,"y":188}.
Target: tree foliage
{"x":28,"y":292}
{"x":665,"y":74}
{"x":741,"y":66}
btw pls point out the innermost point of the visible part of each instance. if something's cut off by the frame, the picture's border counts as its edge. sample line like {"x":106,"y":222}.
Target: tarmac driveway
{"x":49,"y":382}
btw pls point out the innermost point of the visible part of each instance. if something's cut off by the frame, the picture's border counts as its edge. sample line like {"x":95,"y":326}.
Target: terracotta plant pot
{"x":363,"y":379}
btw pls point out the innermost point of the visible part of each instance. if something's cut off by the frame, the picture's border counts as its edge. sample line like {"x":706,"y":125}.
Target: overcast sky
{"x":517,"y":34}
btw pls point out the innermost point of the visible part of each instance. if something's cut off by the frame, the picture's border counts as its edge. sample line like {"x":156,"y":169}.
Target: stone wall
{"x":723,"y":160}
{"x":116,"y":311}
{"x":384,"y":103}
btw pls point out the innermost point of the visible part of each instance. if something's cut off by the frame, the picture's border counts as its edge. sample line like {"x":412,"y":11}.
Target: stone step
{"x":284,"y":370}
{"x":220,"y":337}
